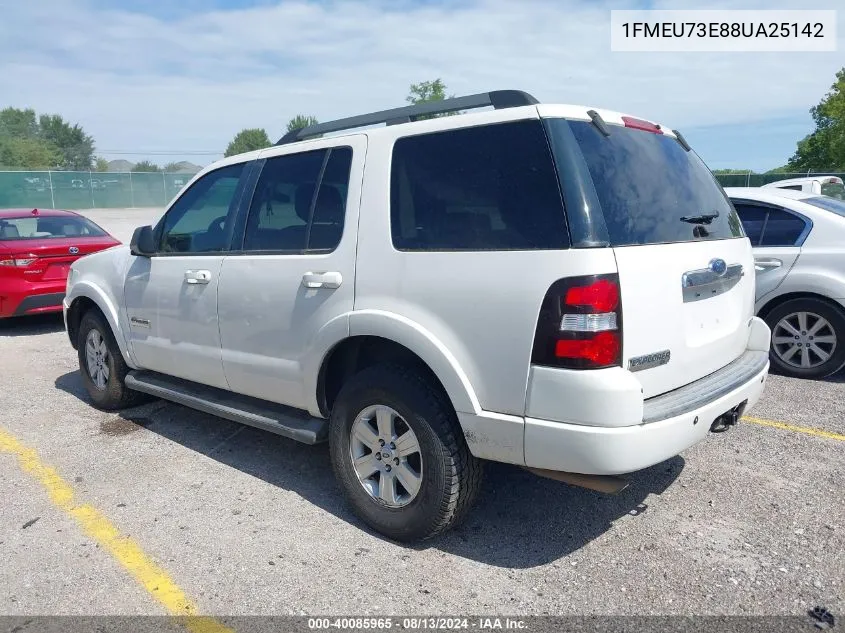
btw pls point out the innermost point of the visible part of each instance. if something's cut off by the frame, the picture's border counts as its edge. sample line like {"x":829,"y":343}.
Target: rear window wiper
{"x":704,"y":218}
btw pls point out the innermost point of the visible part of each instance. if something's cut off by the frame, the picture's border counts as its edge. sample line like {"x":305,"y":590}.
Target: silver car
{"x":799,"y":253}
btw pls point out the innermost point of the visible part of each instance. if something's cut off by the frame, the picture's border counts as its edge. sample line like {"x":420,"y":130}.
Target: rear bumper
{"x":597,"y":423}
{"x":597,"y":450}
{"x":47,"y":300}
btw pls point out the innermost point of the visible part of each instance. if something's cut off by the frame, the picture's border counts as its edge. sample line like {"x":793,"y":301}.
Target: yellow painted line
{"x":126,"y":551}
{"x":798,"y":429}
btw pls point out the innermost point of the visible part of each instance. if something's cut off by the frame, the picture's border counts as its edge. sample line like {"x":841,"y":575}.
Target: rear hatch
{"x":686,"y":271}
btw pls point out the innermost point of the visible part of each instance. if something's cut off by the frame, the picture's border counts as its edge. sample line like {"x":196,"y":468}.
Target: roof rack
{"x":498,"y":99}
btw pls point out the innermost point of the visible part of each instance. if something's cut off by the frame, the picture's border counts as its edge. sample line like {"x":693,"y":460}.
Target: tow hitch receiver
{"x":728,"y":419}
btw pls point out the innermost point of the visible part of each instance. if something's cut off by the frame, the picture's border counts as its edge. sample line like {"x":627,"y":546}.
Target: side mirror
{"x":143,"y":242}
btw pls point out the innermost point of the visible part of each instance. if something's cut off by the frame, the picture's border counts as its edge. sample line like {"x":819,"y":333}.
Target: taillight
{"x":19,"y":261}
{"x":580,"y":324}
{"x":640,"y":124}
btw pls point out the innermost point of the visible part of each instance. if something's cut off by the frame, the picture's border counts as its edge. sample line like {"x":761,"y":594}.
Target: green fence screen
{"x":758,"y":180}
{"x":100,"y":190}
{"x":88,"y":190}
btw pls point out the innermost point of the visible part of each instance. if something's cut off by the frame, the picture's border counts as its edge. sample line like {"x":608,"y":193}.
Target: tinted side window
{"x":792,"y":187}
{"x":753,"y":219}
{"x":288,"y":213}
{"x":492,"y":187}
{"x":782,"y":229}
{"x":330,"y":205}
{"x":199,"y":221}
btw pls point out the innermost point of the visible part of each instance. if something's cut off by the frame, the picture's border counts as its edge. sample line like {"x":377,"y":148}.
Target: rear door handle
{"x":322,"y":280}
{"x":767,"y":264}
{"x":197,"y":276}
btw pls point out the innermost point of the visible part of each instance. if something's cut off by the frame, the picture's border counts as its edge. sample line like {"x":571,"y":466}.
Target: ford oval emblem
{"x":718,"y":267}
{"x":73,"y":250}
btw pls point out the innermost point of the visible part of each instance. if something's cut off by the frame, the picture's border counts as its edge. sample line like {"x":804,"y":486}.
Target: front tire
{"x":102,"y":366}
{"x":808,"y":338}
{"x":399,"y":454}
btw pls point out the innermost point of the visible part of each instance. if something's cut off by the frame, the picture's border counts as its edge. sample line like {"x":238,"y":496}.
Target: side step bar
{"x":269,"y":416}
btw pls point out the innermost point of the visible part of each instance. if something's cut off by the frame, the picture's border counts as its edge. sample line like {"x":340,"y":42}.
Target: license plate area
{"x":59,"y":270}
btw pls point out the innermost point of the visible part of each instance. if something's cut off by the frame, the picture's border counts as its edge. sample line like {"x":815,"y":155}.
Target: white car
{"x":819,"y":185}
{"x":560,"y":288}
{"x":799,"y":252}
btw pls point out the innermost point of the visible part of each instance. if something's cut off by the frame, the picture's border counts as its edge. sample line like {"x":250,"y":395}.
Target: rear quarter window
{"x":483,"y":188}
{"x":651,"y":190}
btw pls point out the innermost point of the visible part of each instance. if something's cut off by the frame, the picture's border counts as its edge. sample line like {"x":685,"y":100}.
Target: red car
{"x":37,"y":247}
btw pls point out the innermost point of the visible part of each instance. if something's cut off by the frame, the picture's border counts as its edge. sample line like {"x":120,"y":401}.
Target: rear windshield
{"x":829,"y":204}
{"x":651,"y":190}
{"x":46,"y":227}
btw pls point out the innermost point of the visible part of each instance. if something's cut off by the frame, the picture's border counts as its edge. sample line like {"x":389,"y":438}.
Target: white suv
{"x":565,"y":289}
{"x":819,"y":185}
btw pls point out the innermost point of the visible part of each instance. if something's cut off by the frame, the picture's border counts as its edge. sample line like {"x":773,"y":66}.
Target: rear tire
{"x":102,"y":366}
{"x":428,"y":444}
{"x":808,"y":338}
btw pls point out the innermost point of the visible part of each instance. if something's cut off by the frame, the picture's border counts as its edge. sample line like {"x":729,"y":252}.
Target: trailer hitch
{"x":728,"y":419}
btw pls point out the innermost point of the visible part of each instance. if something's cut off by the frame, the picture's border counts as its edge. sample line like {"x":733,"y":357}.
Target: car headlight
{"x":71,"y":277}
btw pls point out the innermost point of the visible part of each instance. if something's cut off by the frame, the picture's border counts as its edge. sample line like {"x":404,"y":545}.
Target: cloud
{"x":145,"y":82}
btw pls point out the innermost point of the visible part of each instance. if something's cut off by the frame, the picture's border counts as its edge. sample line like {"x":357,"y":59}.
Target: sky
{"x":176,"y":80}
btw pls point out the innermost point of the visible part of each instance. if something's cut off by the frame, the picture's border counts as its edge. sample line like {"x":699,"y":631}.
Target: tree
{"x":171,"y":167}
{"x":30,"y":140}
{"x":76,"y":148}
{"x":824,"y":148}
{"x":248,"y":140}
{"x":428,"y":91}
{"x":101,"y":164}
{"x":779,"y":170}
{"x":16,"y":123}
{"x":27,"y":153}
{"x":301,"y":121}
{"x":722,"y":172}
{"x":20,"y":146}
{"x":146,"y":166}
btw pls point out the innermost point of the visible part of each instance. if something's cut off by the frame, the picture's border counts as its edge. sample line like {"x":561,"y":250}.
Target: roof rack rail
{"x":498,"y":99}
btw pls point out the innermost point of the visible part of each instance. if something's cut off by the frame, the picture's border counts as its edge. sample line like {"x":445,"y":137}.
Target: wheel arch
{"x":383,"y":337}
{"x":772,"y":303}
{"x":86,"y":297}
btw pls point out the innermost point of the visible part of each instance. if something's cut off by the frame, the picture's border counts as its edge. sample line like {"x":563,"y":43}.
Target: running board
{"x":269,"y":416}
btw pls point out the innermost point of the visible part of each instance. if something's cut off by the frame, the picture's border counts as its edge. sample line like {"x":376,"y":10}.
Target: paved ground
{"x":244,"y":522}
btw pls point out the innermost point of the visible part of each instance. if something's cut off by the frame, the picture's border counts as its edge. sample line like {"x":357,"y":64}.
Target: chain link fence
{"x":101,"y":190}
{"x":758,"y":180}
{"x":89,"y":190}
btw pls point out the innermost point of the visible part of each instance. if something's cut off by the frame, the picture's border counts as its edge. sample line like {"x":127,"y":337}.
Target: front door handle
{"x":322,"y":280}
{"x":767,"y":264}
{"x":197,"y":276}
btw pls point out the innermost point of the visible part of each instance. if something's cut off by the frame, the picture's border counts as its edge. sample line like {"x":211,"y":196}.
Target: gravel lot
{"x":245,"y":522}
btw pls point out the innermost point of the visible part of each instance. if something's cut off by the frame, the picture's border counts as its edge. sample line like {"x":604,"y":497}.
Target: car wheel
{"x":808,"y":338}
{"x":102,"y":366}
{"x":399,"y":454}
